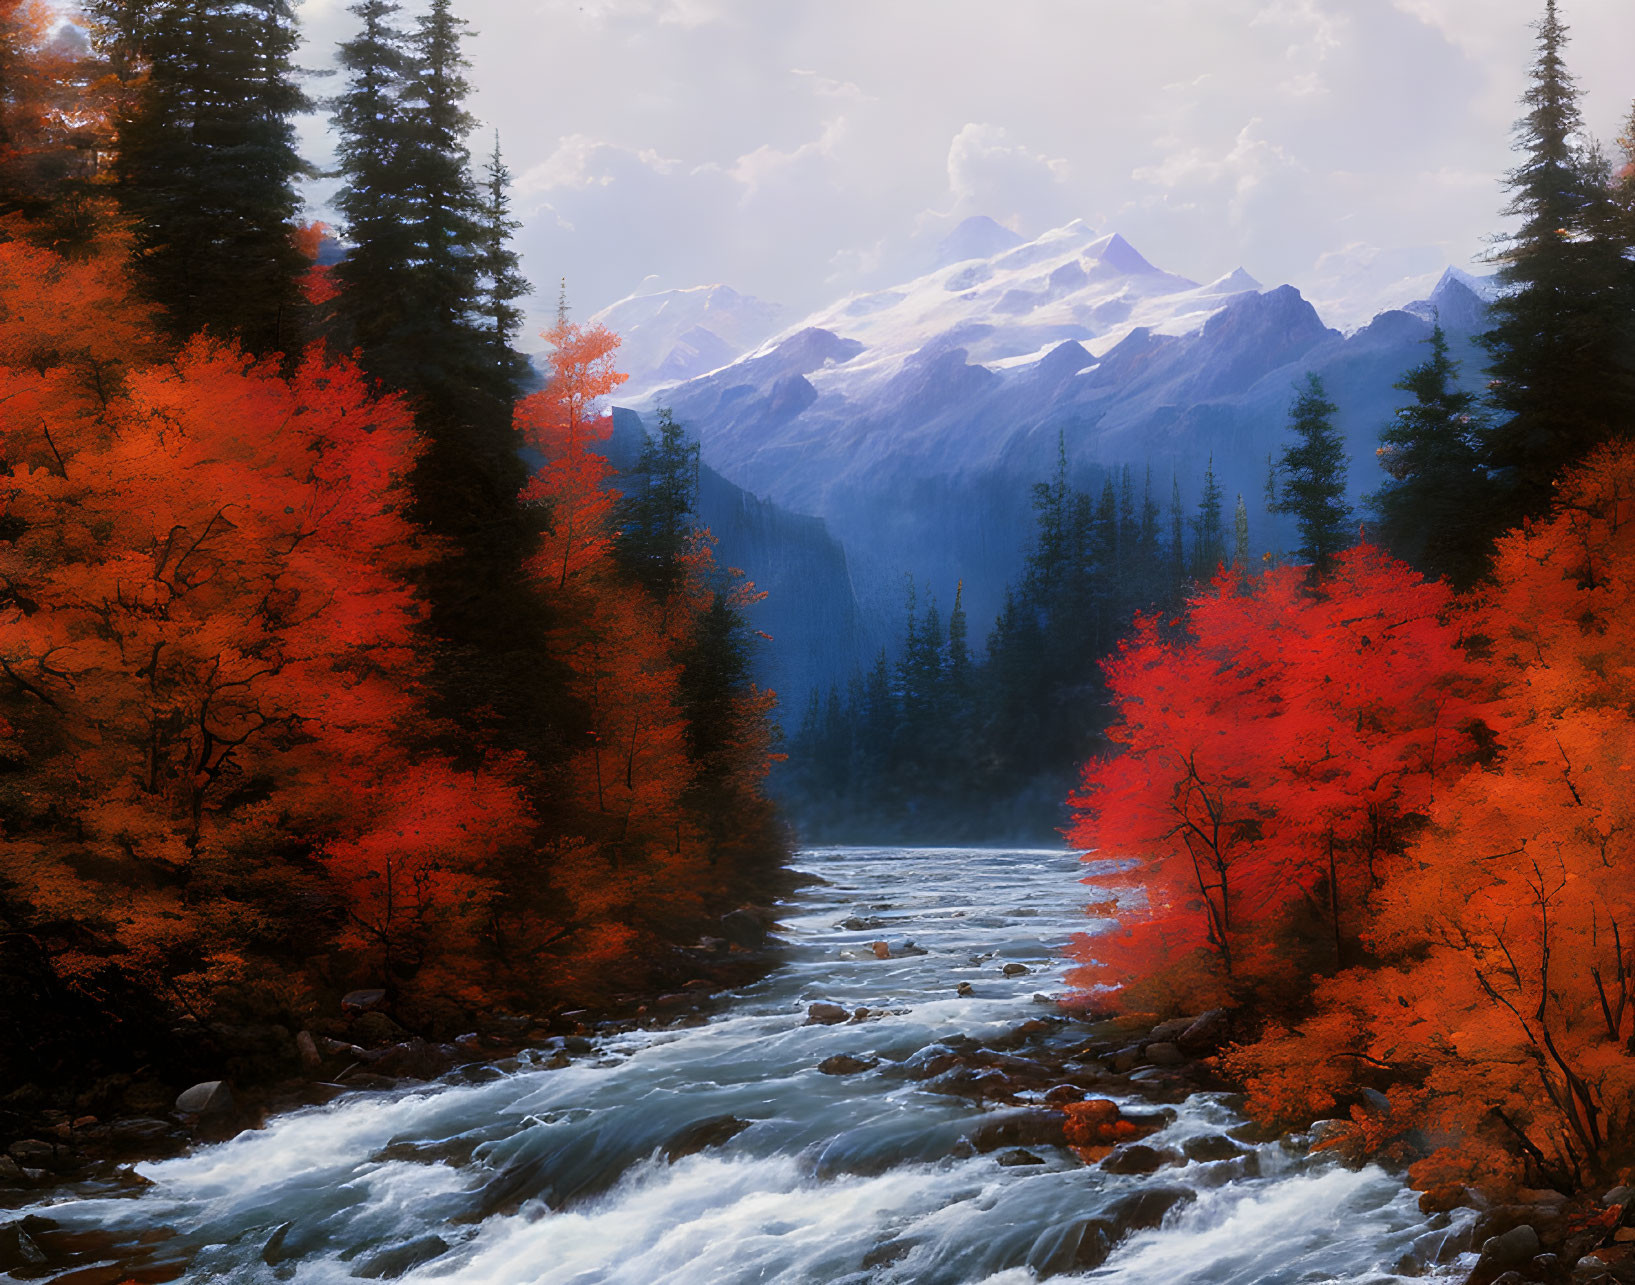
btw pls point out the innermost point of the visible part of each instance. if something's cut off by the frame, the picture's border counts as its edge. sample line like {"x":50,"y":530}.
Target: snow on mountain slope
{"x":914,"y":420}
{"x":1012,"y":308}
{"x":671,"y":336}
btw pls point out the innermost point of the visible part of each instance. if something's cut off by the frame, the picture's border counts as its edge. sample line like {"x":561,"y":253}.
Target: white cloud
{"x":580,"y":162}
{"x":754,"y":170}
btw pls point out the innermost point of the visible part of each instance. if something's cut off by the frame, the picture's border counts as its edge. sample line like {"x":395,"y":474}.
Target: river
{"x":559,"y":1175}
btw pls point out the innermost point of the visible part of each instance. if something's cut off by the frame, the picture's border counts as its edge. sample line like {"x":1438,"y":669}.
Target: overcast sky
{"x":802,"y":149}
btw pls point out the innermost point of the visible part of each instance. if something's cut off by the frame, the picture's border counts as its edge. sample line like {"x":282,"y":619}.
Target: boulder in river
{"x":846,"y":1064}
{"x":211,"y":1098}
{"x":1512,"y":1249}
{"x":825,"y":1014}
{"x":363,"y":1001}
{"x":1137,"y":1157}
{"x":1028,"y":1127}
{"x":18,"y":1250}
{"x":1164,"y":1053}
{"x":398,"y":1260}
{"x":702,"y":1135}
{"x":1015,"y":970}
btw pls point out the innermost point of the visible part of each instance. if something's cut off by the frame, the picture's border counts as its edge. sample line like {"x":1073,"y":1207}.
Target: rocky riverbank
{"x":1057,"y":1089}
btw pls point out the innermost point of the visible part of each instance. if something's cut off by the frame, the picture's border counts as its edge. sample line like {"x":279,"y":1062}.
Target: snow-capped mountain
{"x":915,"y":420}
{"x":675,"y":335}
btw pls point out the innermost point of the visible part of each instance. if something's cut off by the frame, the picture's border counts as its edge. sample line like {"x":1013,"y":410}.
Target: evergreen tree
{"x":445,"y":290}
{"x":1177,"y":538}
{"x":412,"y":302}
{"x":1240,"y":536}
{"x":207,"y":167}
{"x":501,"y":271}
{"x":1313,"y":477}
{"x":654,"y":518}
{"x":374,"y":199}
{"x":1563,"y":369}
{"x":1431,"y":512}
{"x":1208,"y":534}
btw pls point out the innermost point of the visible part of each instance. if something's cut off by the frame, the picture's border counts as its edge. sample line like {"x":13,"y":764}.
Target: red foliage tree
{"x":1501,"y":1017}
{"x":1270,"y":759}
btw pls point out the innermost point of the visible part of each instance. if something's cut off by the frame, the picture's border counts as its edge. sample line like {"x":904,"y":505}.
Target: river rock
{"x":1015,"y":970}
{"x":825,"y":1014}
{"x":211,"y":1098}
{"x":1163,"y":1053}
{"x":1512,"y":1249}
{"x":1146,"y":1209}
{"x":880,"y":949}
{"x":362,"y":1001}
{"x":743,"y":929}
{"x":1171,"y":1030}
{"x":397,"y":1261}
{"x":1014,"y":1159}
{"x":12,"y":1174}
{"x":845,"y":1064}
{"x":1137,"y":1157}
{"x":712,"y":1132}
{"x":414,"y":1059}
{"x":32,"y":1153}
{"x":375,"y":1030}
{"x":1064,"y":1093}
{"x":1619,"y":1196}
{"x":1206,"y":1033}
{"x":1029,"y":1127}
{"x":18,"y":1250}
{"x":1080,"y":1245}
{"x":1211,"y":1147}
{"x":906,"y":947}
{"x":965,"y":990}
{"x":306,"y":1048}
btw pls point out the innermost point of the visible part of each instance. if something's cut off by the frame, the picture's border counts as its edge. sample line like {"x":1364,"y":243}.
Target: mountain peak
{"x":977,"y":237}
{"x":1117,"y":254}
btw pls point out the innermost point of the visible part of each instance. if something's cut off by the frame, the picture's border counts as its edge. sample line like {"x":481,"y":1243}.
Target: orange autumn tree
{"x":675,"y":736}
{"x":625,"y":780}
{"x":1502,"y":1018}
{"x":1271,"y":760}
{"x":208,"y":646}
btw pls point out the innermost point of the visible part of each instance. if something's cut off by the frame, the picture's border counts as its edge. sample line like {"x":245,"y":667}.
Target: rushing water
{"x":559,"y":1175}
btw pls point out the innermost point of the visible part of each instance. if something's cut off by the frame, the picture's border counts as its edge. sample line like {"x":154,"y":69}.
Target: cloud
{"x":754,"y":170}
{"x":580,"y":162}
{"x":1242,"y":168}
{"x":827,"y":87}
{"x":989,"y":174}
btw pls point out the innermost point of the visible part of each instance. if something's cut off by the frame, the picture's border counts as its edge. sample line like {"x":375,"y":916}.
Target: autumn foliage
{"x":1439,"y":787}
{"x":1276,"y":749}
{"x":223,"y":783}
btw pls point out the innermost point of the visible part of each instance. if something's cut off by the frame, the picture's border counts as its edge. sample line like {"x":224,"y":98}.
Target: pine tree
{"x":207,"y":168}
{"x":445,"y":290}
{"x":374,"y":199}
{"x":1313,"y":477}
{"x":1432,"y":511}
{"x":1240,"y":536}
{"x":1208,"y":534}
{"x":500,"y":265}
{"x":1177,"y":538}
{"x":654,"y":518}
{"x":1563,"y":374}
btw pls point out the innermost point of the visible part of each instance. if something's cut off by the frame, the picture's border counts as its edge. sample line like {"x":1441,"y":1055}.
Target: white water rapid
{"x":560,"y":1175}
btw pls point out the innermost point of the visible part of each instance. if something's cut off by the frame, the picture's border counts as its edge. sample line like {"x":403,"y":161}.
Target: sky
{"x":802,"y":150}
